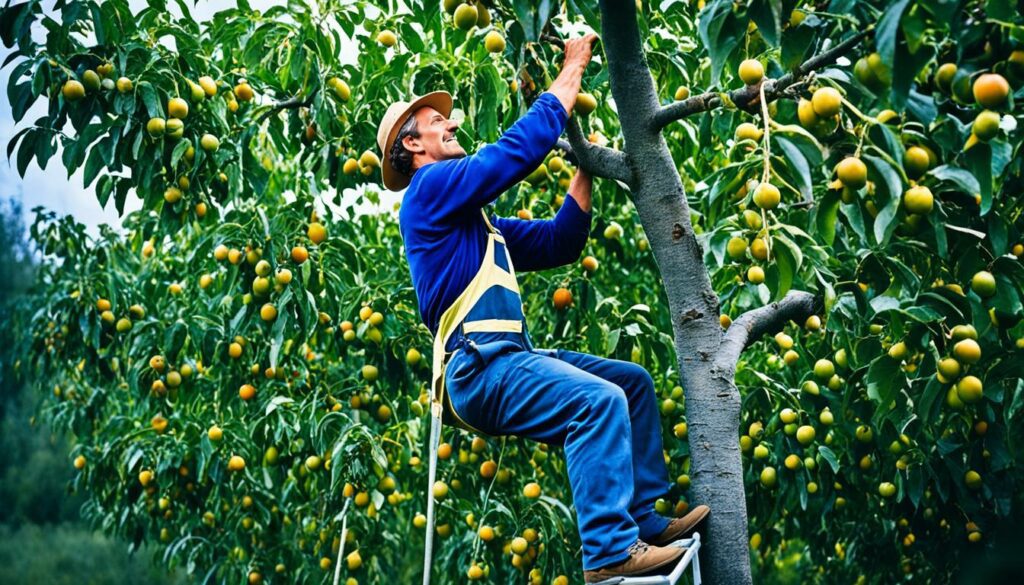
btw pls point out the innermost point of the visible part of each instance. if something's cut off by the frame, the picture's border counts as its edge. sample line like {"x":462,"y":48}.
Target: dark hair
{"x":400,"y":157}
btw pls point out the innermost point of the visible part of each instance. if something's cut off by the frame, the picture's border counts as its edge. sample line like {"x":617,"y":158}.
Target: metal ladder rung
{"x":692,"y":545}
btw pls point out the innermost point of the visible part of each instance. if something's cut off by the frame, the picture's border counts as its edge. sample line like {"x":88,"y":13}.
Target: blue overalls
{"x":604,"y":412}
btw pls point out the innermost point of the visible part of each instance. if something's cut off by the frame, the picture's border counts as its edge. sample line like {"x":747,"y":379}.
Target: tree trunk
{"x":712,"y":401}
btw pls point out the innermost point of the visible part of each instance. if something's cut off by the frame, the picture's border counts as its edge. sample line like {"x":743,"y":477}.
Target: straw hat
{"x":392,"y":122}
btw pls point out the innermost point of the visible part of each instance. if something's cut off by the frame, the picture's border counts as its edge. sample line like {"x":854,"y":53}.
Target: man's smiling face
{"x":437,"y":139}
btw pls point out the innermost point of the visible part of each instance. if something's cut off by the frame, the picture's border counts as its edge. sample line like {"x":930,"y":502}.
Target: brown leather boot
{"x":643,"y":559}
{"x":681,"y":527}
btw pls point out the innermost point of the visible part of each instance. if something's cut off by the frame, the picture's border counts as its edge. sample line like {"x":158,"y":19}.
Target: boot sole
{"x":611,"y":579}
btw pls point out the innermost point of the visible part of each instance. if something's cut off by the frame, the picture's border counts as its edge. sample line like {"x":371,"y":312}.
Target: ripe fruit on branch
{"x":585,"y":104}
{"x":751,"y":71}
{"x":156,"y":127}
{"x":387,"y":38}
{"x":748,"y":131}
{"x":494,"y":42}
{"x":827,"y":102}
{"x":177,"y":108}
{"x":852,"y":172}
{"x":561,"y":299}
{"x":944,"y":76}
{"x":984,"y":284}
{"x":73,"y":90}
{"x":767,"y":196}
{"x":916,"y":161}
{"x":465,"y":16}
{"x":986,"y":125}
{"x":990,"y":90}
{"x":918,"y":200}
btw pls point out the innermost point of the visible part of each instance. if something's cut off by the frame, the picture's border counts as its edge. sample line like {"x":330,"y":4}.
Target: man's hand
{"x":577,"y":55}
{"x":580,"y":189}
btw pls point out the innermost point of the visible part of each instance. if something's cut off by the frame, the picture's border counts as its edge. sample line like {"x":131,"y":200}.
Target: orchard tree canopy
{"x":241,"y":364}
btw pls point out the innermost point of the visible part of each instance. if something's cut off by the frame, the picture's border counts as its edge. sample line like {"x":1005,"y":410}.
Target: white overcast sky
{"x":51,"y":188}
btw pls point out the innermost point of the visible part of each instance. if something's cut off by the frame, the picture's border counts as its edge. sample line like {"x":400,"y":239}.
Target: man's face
{"x":437,"y":140}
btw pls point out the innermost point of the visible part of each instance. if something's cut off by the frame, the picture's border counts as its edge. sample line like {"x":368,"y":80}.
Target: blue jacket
{"x":444,"y":232}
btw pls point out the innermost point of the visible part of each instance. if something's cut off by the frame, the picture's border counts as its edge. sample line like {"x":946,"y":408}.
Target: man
{"x":463,"y":265}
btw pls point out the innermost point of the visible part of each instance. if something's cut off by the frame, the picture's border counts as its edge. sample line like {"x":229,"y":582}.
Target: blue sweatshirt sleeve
{"x":543,"y":244}
{"x":459,"y":186}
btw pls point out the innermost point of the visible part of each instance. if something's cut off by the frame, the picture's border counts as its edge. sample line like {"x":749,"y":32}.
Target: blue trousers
{"x":604,"y":412}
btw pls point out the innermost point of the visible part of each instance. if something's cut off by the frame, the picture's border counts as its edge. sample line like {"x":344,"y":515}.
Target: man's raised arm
{"x":474,"y":181}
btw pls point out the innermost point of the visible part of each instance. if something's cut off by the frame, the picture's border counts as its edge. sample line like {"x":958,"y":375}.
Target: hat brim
{"x":440,"y":101}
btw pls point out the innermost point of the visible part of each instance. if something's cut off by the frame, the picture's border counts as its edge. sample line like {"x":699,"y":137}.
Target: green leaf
{"x":767,"y":14}
{"x":827,"y":215}
{"x":884,"y":379}
{"x":720,"y":31}
{"x":888,"y":193}
{"x":830,"y":457}
{"x":174,"y":339}
{"x":887,"y":32}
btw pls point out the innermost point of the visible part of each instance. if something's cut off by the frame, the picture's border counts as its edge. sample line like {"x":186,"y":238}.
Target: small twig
{"x":288,"y":104}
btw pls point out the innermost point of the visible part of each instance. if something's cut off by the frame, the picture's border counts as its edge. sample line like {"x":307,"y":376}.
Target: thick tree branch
{"x":288,"y":104}
{"x":599,"y":161}
{"x":747,"y":97}
{"x":752,"y":325}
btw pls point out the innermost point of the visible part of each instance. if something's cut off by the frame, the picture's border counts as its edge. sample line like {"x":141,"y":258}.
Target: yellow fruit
{"x":208,"y":85}
{"x":353,"y":561}
{"x":944,"y":76}
{"x":736,"y":247}
{"x":177,"y":108}
{"x":369,"y":373}
{"x":852,"y":172}
{"x":967,"y":351}
{"x":991,"y":90}
{"x":918,"y":199}
{"x":236,"y":463}
{"x":827,"y":102}
{"x":916,"y":161}
{"x":519,"y":545}
{"x":759,"y":249}
{"x":986,"y":125}
{"x":972,"y":479}
{"x":494,"y":42}
{"x":824,"y":369}
{"x":124,"y":85}
{"x":769,"y":477}
{"x":243,"y":92}
{"x":209,"y":142}
{"x":123,"y":325}
{"x":805,"y":435}
{"x":531,"y":490}
{"x":215,"y":433}
{"x":590,"y":264}
{"x":440,"y":490}
{"x":172,"y":195}
{"x":475,"y":573}
{"x":898,"y":351}
{"x":751,"y":71}
{"x":886,"y":489}
{"x":682,"y":92}
{"x":585,"y":104}
{"x":465,"y":16}
{"x":805,"y":113}
{"x":983,"y":283}
{"x":268,"y":312}
{"x":79,"y":462}
{"x":748,"y":131}
{"x":755,"y":275}
{"x":969,"y":389}
{"x":156,"y":127}
{"x":145,"y":477}
{"x":313,"y":462}
{"x":387,"y":38}
{"x":73,"y":90}
{"x":767,"y":196}
{"x":317,"y":233}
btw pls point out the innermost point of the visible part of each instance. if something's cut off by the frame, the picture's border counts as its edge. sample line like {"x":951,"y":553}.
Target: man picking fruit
{"x":488,"y":377}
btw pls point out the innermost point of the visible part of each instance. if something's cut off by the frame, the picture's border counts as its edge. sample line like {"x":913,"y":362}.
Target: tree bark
{"x":712,"y":399}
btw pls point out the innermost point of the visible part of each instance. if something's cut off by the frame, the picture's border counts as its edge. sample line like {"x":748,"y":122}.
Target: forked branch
{"x":755,"y":323}
{"x":748,"y":97}
{"x":599,"y":161}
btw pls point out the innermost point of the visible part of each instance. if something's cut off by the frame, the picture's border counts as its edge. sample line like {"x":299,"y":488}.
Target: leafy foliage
{"x":338,"y":405}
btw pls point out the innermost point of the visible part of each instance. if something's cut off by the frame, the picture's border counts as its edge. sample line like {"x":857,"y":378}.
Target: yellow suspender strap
{"x":493,"y":326}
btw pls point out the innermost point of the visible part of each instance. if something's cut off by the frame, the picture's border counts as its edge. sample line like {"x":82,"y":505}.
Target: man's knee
{"x":606,"y":399}
{"x":636,"y":378}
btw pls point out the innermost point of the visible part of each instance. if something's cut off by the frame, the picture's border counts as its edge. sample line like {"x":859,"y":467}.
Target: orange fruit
{"x":317,"y":232}
{"x":562,"y":298}
{"x":852,"y":172}
{"x":247,"y":392}
{"x":300,"y":254}
{"x":991,"y":89}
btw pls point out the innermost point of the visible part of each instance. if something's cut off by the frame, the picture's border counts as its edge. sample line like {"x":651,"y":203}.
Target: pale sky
{"x":51,"y":188}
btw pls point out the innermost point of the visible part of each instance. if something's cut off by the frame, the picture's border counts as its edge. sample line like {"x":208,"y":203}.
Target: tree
{"x":861,"y":201}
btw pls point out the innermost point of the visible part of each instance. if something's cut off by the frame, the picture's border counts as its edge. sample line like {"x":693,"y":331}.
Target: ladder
{"x":692,"y":545}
